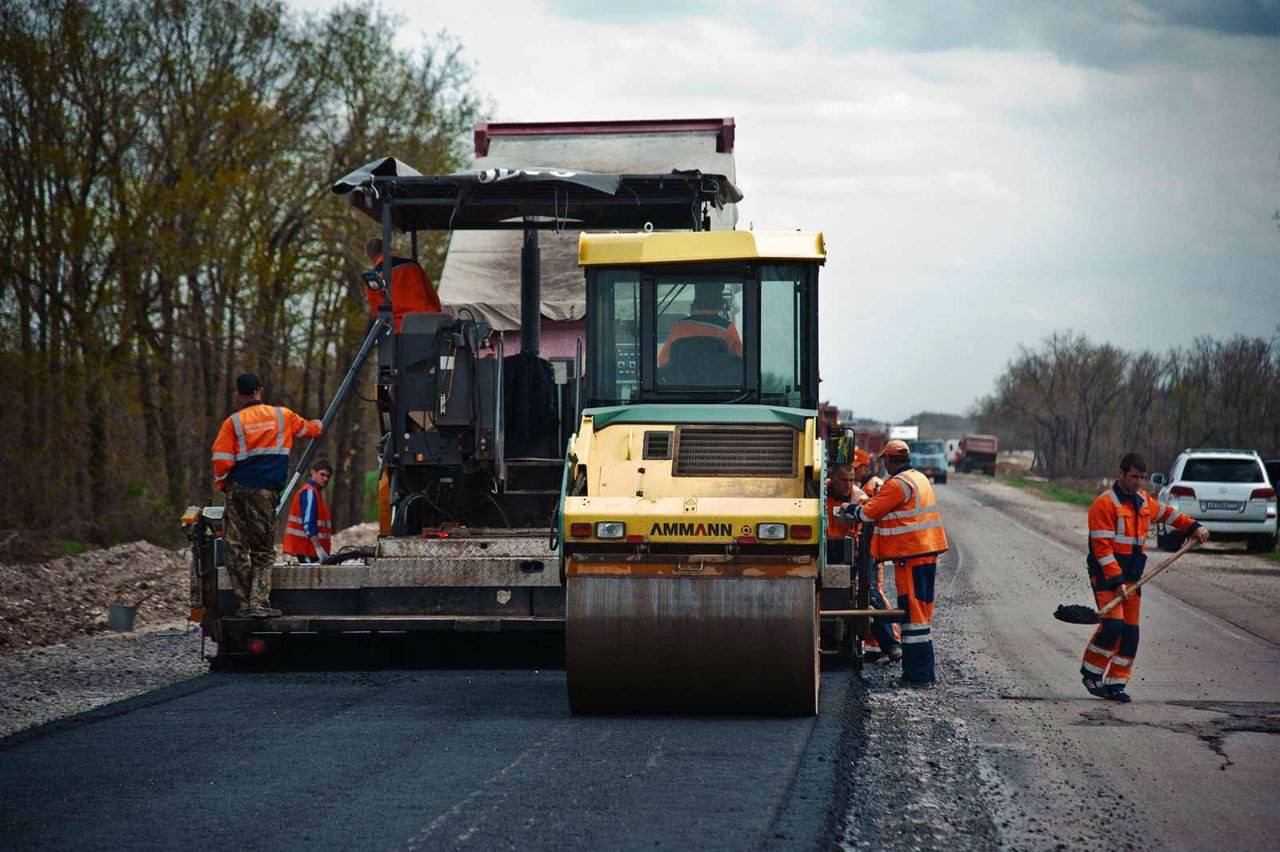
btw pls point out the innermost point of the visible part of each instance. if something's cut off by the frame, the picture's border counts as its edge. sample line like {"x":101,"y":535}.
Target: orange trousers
{"x":914,"y":578}
{"x":1110,"y":652}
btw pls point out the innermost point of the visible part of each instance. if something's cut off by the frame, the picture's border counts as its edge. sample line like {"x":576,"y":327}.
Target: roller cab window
{"x":741,"y":332}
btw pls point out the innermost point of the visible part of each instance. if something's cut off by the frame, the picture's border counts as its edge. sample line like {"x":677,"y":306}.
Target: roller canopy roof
{"x":501,"y":198}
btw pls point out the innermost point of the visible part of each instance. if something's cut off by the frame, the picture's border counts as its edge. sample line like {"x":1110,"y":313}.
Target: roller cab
{"x":691,"y":528}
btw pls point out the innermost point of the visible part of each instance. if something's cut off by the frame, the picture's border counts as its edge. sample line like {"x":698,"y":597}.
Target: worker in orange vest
{"x":250,"y":465}
{"x":411,"y":289}
{"x":883,"y":645}
{"x":309,"y":527}
{"x":909,"y":532}
{"x":1118,"y":523}
{"x":708,"y":319}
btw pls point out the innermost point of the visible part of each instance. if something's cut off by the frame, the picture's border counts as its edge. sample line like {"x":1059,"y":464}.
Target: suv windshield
{"x":1222,"y":470}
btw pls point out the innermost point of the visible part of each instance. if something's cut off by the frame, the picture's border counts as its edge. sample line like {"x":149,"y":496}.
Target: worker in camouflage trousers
{"x":250,"y":465}
{"x":250,"y":522}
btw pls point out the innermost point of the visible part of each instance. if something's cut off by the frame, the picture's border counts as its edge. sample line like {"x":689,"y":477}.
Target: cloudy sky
{"x":985,"y":171}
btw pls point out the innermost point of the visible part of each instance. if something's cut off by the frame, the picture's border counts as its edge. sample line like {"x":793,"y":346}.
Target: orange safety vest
{"x":411,"y":290}
{"x":837,"y":527}
{"x":1118,"y":526}
{"x":907,"y":519}
{"x":252,"y":447}
{"x":712,"y":325}
{"x":308,"y":516}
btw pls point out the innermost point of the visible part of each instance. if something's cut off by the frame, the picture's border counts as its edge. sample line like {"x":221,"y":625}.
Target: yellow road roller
{"x":692,"y":525}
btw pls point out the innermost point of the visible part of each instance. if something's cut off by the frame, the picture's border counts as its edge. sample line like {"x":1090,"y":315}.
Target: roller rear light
{"x":801,"y":531}
{"x":579,"y":530}
{"x":1182,"y":491}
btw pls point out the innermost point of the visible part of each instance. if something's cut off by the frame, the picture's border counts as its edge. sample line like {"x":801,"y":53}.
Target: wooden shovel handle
{"x":1150,"y":575}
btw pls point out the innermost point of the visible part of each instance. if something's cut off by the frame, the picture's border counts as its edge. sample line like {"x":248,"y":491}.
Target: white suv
{"x":1225,"y":490}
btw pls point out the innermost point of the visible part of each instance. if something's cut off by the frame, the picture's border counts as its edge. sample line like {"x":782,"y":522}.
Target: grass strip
{"x":1052,"y":490}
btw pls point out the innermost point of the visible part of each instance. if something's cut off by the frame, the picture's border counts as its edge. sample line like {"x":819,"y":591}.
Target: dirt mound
{"x":360,"y":535}
{"x":50,"y":602}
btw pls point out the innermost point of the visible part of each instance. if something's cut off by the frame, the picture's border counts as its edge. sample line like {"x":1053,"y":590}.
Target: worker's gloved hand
{"x":319,"y":426}
{"x":1201,"y":535}
{"x":850,"y":511}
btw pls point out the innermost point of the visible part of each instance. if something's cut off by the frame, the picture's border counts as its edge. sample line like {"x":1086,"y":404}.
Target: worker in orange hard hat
{"x":411,"y":290}
{"x":883,"y":644}
{"x":909,"y":532}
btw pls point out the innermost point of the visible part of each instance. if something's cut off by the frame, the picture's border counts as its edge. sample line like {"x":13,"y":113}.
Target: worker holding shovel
{"x":1118,"y":522}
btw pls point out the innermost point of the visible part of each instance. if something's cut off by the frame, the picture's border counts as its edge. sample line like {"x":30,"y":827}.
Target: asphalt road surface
{"x":1008,"y":752}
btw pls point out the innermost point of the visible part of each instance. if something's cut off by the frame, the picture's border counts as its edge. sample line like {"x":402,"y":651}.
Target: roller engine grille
{"x":735,"y":451}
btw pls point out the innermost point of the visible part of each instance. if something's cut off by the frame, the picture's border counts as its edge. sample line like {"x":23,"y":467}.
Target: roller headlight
{"x":610,"y":529}
{"x":771,"y":532}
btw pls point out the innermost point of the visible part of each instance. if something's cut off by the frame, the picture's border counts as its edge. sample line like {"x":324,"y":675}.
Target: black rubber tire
{"x":1261,"y":543}
{"x":942,"y":480}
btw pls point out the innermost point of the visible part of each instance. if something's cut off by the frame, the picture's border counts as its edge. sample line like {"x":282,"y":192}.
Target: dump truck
{"x":978,"y":452}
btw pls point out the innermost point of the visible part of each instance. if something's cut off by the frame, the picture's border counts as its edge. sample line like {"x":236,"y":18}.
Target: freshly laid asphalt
{"x":415,"y":759}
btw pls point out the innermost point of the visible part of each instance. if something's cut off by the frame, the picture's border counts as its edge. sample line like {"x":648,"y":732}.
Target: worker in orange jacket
{"x":411,"y":289}
{"x":884,"y":644}
{"x":250,"y":465}
{"x":1118,"y":523}
{"x":308,"y":530}
{"x":706,"y":319}
{"x":909,"y":532}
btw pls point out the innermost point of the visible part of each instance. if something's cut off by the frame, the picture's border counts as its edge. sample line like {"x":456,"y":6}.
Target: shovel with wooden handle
{"x":1077,"y":614}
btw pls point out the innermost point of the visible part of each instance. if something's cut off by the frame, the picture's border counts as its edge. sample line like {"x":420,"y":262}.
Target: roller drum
{"x":743,"y":644}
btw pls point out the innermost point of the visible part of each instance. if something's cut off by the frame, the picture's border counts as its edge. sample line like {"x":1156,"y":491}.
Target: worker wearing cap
{"x":1118,"y":522}
{"x":308,"y":529}
{"x":883,"y":645}
{"x":707,"y":319}
{"x":250,"y":465}
{"x":909,"y":532}
{"x":411,"y":289}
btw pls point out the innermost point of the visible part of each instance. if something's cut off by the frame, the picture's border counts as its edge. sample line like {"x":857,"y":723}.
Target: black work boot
{"x":1094,"y":684}
{"x":1117,"y":694}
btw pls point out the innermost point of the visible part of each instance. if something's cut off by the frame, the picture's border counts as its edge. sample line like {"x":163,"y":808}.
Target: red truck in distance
{"x":978,"y":452}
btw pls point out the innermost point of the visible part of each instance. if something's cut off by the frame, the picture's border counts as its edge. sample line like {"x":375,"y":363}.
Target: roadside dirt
{"x":58,"y":656}
{"x":50,"y":602}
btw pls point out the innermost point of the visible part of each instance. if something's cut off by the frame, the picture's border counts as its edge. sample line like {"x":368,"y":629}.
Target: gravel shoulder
{"x":57,"y":655}
{"x":43,"y":684}
{"x":1220,"y":578}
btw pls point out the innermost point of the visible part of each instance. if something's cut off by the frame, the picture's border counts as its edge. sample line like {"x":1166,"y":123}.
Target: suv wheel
{"x":1261,"y":543}
{"x":1170,"y":541}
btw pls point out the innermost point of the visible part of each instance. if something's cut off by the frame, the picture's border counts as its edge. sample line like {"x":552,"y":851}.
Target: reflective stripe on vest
{"x":915,"y":528}
{"x":242,"y":445}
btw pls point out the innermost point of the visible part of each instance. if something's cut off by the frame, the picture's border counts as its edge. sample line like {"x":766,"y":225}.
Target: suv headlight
{"x":610,"y":529}
{"x":771,"y":532}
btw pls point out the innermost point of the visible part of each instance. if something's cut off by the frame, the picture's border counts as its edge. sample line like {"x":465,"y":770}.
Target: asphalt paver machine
{"x":472,"y":452}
